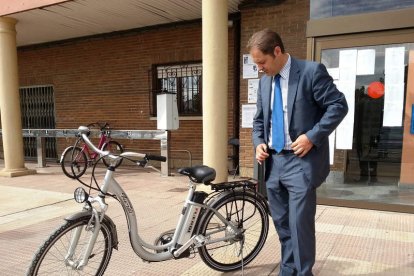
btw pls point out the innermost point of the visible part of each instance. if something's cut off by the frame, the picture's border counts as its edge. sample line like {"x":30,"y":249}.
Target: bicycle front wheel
{"x":226,"y":250}
{"x":115,"y":148}
{"x":74,"y":162}
{"x":53,"y":257}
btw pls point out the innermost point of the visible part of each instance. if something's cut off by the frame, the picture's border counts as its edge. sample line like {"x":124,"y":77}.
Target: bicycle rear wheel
{"x":245,"y":211}
{"x":115,"y":148}
{"x":74,"y":162}
{"x":52,"y":257}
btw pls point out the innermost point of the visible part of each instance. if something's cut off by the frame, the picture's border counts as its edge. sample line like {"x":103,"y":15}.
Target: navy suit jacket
{"x":315,"y":108}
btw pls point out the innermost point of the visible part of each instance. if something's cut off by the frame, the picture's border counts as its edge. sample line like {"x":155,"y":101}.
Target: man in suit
{"x":298,"y":106}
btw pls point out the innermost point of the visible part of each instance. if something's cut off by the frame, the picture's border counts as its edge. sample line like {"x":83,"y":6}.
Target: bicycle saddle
{"x":199,"y":174}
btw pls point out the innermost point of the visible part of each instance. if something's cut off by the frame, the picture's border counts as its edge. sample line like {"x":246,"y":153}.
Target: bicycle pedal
{"x":185,"y":254}
{"x":199,"y":240}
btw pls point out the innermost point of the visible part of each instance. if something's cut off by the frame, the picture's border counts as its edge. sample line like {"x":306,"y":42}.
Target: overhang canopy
{"x":41,"y":21}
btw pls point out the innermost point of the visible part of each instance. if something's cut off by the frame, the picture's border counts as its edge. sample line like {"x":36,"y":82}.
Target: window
{"x":184,"y":80}
{"x":331,"y":8}
{"x":377,"y":164}
{"x":37,"y":105}
{"x":376,"y":97}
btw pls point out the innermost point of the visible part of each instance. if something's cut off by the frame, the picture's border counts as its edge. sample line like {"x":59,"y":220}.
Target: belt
{"x":283,"y":152}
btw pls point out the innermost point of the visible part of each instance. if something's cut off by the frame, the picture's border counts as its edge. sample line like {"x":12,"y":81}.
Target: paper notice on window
{"x":366,"y":62}
{"x":333,"y":72}
{"x":394,"y":59}
{"x":346,"y":84}
{"x":394,"y":86}
{"x":252,"y":88}
{"x":248,"y":112}
{"x":250,"y":70}
{"x":393,"y":104}
{"x":345,"y":131}
{"x":331,"y":147}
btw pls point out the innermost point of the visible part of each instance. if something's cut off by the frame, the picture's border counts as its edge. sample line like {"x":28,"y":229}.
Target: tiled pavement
{"x":349,"y":241}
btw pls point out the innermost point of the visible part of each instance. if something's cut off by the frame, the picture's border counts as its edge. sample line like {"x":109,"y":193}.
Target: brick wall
{"x":105,"y":78}
{"x":288,"y":19}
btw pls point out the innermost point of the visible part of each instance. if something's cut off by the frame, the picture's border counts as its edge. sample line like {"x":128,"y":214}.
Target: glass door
{"x":374,"y":155}
{"x":372,"y":71}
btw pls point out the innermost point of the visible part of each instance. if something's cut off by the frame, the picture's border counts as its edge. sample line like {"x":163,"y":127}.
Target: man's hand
{"x":261,"y":153}
{"x":301,"y":146}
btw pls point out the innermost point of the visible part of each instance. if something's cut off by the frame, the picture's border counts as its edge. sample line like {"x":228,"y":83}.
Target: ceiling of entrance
{"x":80,"y":18}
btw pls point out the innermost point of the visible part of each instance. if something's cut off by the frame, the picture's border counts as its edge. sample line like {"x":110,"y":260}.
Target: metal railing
{"x":42,"y":134}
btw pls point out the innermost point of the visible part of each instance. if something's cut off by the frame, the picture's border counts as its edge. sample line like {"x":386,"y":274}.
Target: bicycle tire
{"x":50,"y":258}
{"x":234,"y":253}
{"x":74,"y":162}
{"x":115,"y":148}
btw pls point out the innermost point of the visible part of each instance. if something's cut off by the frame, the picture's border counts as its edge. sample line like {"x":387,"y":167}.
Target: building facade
{"x":367,"y":47}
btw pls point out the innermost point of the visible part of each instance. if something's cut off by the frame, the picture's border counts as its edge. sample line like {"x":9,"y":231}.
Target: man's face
{"x":270,"y":65}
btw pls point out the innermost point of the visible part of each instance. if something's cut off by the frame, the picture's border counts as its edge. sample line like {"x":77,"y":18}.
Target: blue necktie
{"x":278,"y":131}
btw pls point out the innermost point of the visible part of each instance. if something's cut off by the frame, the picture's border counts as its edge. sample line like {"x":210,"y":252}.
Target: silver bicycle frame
{"x":75,"y":239}
{"x":161,"y":252}
{"x":138,"y":244}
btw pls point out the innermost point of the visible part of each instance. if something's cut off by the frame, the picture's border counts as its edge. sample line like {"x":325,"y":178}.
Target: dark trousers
{"x":293,"y":206}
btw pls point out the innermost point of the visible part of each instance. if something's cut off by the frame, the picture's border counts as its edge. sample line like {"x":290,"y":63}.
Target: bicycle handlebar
{"x":102,"y":125}
{"x":84,"y":133}
{"x":156,"y":157}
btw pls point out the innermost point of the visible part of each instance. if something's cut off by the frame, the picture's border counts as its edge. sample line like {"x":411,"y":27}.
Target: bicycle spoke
{"x":231,"y":248}
{"x":50,"y":260}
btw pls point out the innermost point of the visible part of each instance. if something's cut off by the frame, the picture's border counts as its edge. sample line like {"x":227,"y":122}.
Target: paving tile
{"x":345,"y":266}
{"x":29,"y":198}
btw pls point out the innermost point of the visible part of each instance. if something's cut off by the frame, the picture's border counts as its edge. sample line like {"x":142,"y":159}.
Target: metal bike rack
{"x":41,"y":134}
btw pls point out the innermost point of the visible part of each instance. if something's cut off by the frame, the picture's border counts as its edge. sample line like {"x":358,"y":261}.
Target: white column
{"x":10,"y":102}
{"x":215,"y":90}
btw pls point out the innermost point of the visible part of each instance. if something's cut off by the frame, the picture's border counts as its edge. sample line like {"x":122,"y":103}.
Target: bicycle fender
{"x":79,"y":215}
{"x":64,"y":152}
{"x":107,"y":220}
{"x":264,"y":201}
{"x":260,"y":198}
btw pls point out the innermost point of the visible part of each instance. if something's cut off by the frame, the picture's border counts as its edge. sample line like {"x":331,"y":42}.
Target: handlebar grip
{"x":156,"y":158}
{"x":83,"y":130}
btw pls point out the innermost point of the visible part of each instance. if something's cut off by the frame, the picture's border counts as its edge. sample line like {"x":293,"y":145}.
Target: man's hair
{"x":266,"y":40}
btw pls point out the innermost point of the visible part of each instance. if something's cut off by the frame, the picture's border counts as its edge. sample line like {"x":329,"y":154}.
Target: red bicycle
{"x":75,"y":159}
